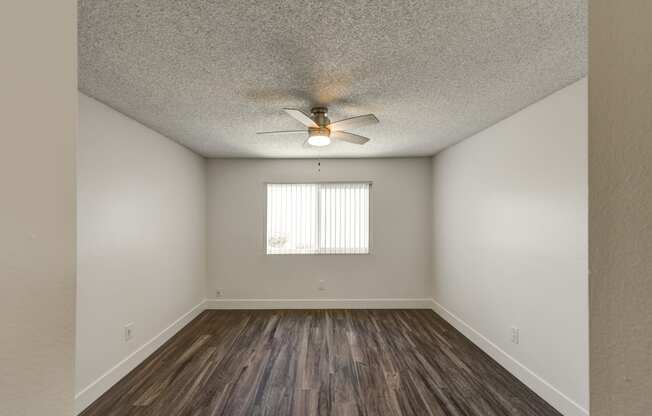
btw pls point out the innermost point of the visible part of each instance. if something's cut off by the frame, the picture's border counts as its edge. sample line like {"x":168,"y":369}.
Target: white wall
{"x":38,"y":109}
{"x":399,"y":266}
{"x":510,"y":242}
{"x":141,"y":236}
{"x":620,"y":207}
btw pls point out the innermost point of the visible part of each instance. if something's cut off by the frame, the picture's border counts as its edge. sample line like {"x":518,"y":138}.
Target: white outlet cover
{"x":515,"y":335}
{"x":129,"y":332}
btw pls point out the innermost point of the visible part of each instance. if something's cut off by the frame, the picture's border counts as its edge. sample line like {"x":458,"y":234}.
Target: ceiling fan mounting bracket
{"x":317,"y":110}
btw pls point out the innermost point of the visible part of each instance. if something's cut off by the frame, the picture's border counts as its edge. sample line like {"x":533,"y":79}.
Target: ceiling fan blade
{"x":283,"y":132}
{"x":348,"y":137}
{"x":353,"y":122}
{"x":301,"y":117}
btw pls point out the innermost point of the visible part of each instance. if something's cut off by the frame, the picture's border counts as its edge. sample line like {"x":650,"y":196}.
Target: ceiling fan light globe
{"x":319,"y":140}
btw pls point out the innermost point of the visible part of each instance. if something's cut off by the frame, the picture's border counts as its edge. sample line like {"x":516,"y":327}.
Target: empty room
{"x":327,"y":208}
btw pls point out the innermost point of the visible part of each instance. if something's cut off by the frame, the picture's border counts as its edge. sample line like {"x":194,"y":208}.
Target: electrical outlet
{"x":322,"y":285}
{"x":515,"y":335}
{"x":129,"y":332}
{"x":219,"y":293}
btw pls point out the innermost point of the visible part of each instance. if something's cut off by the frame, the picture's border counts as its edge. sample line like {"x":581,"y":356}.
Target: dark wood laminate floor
{"x":321,"y":362}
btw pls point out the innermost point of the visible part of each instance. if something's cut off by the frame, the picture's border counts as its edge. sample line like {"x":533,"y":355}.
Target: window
{"x":317,"y":218}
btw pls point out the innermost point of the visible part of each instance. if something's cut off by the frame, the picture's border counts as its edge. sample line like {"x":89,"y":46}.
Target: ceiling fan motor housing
{"x":320,"y":116}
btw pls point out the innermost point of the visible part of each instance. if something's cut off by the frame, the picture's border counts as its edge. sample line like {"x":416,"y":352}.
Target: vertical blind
{"x":318,"y":218}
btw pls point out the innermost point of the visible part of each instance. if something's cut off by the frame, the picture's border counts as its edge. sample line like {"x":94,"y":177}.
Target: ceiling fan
{"x":320,"y":129}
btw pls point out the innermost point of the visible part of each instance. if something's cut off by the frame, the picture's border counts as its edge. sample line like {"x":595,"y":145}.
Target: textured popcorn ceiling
{"x":209,"y":74}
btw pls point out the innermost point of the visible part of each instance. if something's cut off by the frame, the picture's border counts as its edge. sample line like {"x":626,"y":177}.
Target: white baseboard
{"x":98,"y":387}
{"x":547,"y":391}
{"x":408,"y":303}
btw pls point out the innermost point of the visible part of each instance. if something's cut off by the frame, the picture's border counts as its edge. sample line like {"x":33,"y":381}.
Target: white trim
{"x":408,"y":303}
{"x":547,"y":391}
{"x":103,"y":383}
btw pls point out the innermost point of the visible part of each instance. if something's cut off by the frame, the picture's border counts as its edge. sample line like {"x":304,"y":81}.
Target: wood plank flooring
{"x":319,"y":362}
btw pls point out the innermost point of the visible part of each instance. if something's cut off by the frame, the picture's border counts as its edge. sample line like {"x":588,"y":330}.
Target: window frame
{"x":264,"y":211}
